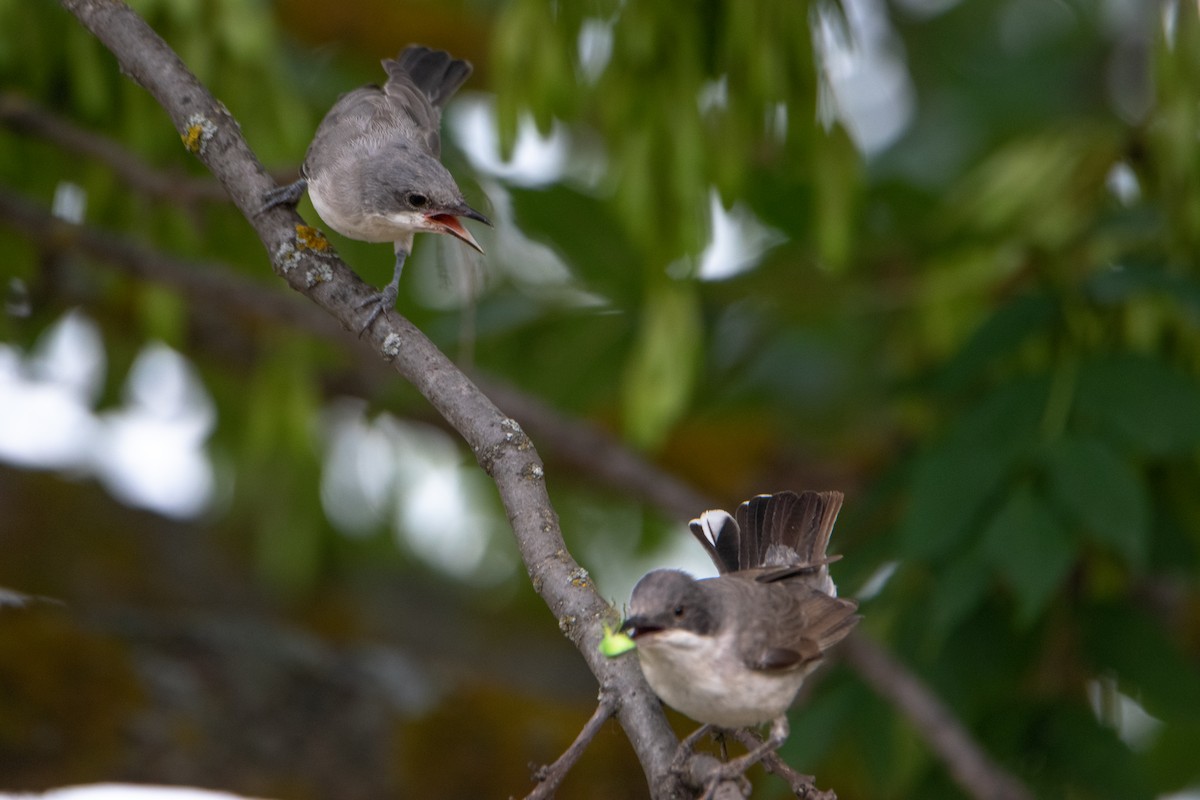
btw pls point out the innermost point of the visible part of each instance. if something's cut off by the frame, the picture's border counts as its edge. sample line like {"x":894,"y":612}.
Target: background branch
{"x":576,"y":443}
{"x":310,"y":266}
{"x":22,"y":115}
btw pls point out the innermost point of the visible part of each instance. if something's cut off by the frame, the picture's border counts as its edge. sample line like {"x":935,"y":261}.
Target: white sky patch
{"x":415,"y":479}
{"x":70,"y":202}
{"x":149,"y":451}
{"x":46,"y":398}
{"x":865,"y":82}
{"x":70,"y":355}
{"x":1123,"y":184}
{"x":777,"y":121}
{"x":738,"y":240}
{"x":1124,"y":714}
{"x":595,"y":48}
{"x":358,"y":472}
{"x":125,"y":791}
{"x":536,"y":160}
{"x":714,"y":95}
{"x":616,"y":577}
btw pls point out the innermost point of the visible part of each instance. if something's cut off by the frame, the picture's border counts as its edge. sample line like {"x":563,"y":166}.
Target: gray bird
{"x":373,"y":169}
{"x":732,"y":651}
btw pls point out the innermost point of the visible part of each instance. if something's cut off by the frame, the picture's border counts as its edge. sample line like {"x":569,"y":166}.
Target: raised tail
{"x":434,"y":72}
{"x":785,"y":530}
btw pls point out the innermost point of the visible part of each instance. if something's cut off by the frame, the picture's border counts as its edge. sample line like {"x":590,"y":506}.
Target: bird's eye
{"x":677,"y":611}
{"x":417,"y":200}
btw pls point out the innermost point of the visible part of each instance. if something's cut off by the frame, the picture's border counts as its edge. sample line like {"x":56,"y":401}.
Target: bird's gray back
{"x":405,"y":110}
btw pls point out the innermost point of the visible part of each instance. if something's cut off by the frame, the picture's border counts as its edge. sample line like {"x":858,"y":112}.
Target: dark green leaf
{"x":1030,"y":549}
{"x":954,"y":483}
{"x":1011,"y":325}
{"x":1101,"y":492}
{"x":959,"y":590}
{"x":1143,"y":401}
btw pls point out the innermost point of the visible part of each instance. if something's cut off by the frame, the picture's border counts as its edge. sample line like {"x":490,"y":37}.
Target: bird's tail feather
{"x":434,"y":72}
{"x":786,"y":530}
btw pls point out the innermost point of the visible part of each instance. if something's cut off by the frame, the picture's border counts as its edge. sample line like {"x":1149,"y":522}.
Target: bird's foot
{"x":380,"y":304}
{"x":687,"y":747}
{"x":701,"y":769}
{"x":283,"y":196}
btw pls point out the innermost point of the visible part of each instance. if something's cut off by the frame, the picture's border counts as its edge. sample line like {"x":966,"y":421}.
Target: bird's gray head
{"x":413,"y":190}
{"x":668,"y":599}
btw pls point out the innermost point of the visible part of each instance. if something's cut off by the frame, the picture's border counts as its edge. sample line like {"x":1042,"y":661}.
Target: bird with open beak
{"x":373,"y":169}
{"x":732,"y":651}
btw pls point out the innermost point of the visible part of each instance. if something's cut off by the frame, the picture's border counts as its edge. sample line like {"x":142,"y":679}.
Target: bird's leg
{"x":386,"y":300}
{"x":284,"y":195}
{"x":732,"y":769}
{"x":688,"y":745}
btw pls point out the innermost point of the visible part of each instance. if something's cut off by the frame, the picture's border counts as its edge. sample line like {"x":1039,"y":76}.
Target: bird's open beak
{"x":448,"y":222}
{"x":638,"y":626}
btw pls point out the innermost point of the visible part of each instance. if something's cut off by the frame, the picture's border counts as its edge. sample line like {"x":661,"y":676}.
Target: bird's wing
{"x":365,"y":111}
{"x":795,"y":626}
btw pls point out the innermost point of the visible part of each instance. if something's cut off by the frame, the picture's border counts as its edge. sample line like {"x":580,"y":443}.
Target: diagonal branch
{"x":572,"y":442}
{"x":303,"y":257}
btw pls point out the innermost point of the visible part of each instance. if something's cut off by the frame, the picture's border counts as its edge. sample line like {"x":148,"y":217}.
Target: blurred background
{"x":938,"y":255}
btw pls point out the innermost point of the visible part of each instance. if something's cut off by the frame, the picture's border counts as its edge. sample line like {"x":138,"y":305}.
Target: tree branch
{"x":304,"y":258}
{"x":571,"y":441}
{"x":550,"y":776}
{"x":969,"y":765}
{"x":307,"y":262}
{"x":21,"y":114}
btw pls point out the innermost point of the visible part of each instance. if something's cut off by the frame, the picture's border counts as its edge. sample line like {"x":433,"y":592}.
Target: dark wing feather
{"x":796,"y":626}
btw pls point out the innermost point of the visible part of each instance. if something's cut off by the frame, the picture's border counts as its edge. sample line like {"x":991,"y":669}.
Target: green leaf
{"x":1010,"y":326}
{"x":954,"y":484}
{"x":1142,"y":401}
{"x":959,"y":590}
{"x":951,"y":487}
{"x":1030,"y":549}
{"x":1102,"y":493}
{"x":658,"y":381}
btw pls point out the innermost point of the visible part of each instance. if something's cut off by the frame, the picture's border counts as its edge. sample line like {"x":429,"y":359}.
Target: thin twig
{"x":802,"y":785}
{"x":550,"y":776}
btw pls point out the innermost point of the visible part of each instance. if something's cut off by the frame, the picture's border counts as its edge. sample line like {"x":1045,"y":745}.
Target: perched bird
{"x":373,"y":169}
{"x":732,"y":651}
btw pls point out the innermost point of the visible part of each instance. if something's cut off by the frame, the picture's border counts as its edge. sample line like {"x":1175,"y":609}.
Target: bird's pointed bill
{"x":450,"y":223}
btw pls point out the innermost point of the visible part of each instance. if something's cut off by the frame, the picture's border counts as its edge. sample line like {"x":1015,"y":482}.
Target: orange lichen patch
{"x":191,"y":138}
{"x":312,"y":239}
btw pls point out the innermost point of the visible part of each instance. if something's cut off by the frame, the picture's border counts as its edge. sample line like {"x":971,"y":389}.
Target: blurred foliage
{"x":986,"y":331}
